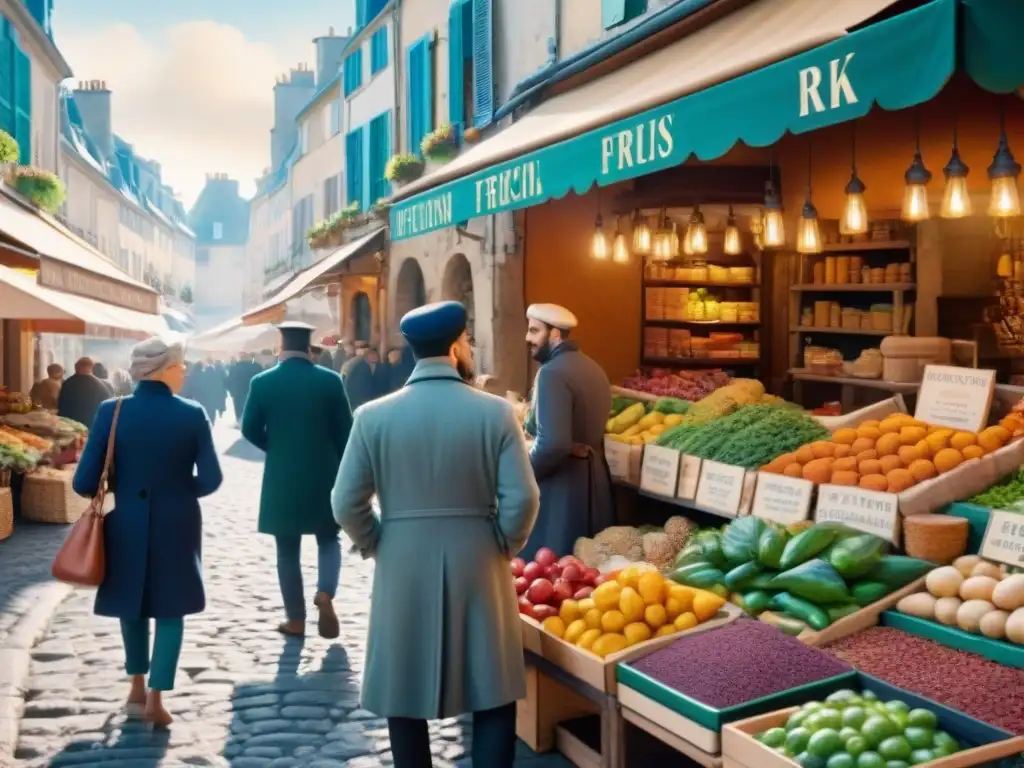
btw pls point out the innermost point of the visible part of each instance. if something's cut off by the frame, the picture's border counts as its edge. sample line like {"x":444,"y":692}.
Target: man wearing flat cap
{"x":457,"y":502}
{"x":298,"y":414}
{"x":570,"y":404}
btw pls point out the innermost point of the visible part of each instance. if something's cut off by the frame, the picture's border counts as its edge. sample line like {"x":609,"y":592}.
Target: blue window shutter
{"x":23,"y":103}
{"x":417,"y":74}
{"x":483,"y":73}
{"x":379,"y":50}
{"x":354,"y":167}
{"x":366,"y":145}
{"x":615,"y":12}
{"x":427,"y":84}
{"x":6,"y":81}
{"x":380,"y":151}
{"x":361,"y":14}
{"x":456,"y":57}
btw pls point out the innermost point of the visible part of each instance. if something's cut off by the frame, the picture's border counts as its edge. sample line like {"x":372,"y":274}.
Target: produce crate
{"x":547,"y":704}
{"x":999,"y":651}
{"x":878,"y":410}
{"x":968,"y":479}
{"x":600,"y":673}
{"x":635,"y":394}
{"x":985,"y":742}
{"x":6,"y":513}
{"x":624,"y":461}
{"x":866,"y":617}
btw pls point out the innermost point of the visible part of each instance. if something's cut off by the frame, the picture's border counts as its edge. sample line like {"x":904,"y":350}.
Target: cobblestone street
{"x":245,"y":696}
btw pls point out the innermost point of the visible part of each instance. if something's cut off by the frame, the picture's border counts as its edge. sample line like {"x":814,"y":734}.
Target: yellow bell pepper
{"x":652,"y":418}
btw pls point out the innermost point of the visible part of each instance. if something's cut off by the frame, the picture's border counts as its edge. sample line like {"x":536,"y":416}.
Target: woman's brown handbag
{"x":82,"y":559}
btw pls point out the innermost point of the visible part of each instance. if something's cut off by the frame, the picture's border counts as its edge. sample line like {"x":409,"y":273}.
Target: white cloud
{"x":197,"y":100}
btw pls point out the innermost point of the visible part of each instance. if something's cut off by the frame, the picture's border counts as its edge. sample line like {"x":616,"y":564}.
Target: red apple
{"x":518,"y":565}
{"x":546,"y":556}
{"x":570,"y":560}
{"x":541,"y":612}
{"x":562,"y":591}
{"x":522,"y":585}
{"x":541,"y":591}
{"x":526,"y":607}
{"x":572,"y":572}
{"x":582,"y":592}
{"x":553,"y":572}
{"x":533,"y":571}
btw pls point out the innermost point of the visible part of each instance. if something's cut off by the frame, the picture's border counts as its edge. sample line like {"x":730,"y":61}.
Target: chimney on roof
{"x":291,"y":94}
{"x":93,"y":100}
{"x":328,"y":56}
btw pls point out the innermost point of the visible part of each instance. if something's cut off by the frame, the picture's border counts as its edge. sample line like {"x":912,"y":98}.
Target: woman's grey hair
{"x":121,"y":381}
{"x":154,"y":355}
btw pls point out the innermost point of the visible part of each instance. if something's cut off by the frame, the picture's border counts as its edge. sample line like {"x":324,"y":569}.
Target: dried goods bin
{"x":1000,"y":651}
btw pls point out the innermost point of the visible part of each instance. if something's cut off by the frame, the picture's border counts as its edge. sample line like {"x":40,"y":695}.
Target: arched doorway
{"x":361,"y":317}
{"x":411,"y":290}
{"x":457,"y":285}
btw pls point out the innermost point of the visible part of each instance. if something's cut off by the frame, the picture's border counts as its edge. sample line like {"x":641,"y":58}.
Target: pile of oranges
{"x":892,"y":455}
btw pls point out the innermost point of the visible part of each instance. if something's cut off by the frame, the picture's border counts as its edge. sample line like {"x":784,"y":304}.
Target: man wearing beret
{"x":571,"y":400}
{"x":457,"y":501}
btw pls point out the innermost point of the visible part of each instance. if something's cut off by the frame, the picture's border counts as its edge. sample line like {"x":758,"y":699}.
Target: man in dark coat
{"x":380,"y":373}
{"x":241,"y":375}
{"x":205,"y":385}
{"x":345,"y":352}
{"x":400,"y":365}
{"x":297,"y":413}
{"x":360,"y":386}
{"x":571,"y":400}
{"x":82,"y":393}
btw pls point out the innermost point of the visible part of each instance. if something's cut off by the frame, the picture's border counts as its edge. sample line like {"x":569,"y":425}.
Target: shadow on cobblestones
{"x":136,"y":744}
{"x":244,"y":450}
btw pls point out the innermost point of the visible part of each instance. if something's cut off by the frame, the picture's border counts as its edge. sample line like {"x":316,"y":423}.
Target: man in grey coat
{"x":571,"y":400}
{"x":457,"y":499}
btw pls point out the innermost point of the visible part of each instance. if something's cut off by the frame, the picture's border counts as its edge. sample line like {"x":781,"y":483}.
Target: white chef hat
{"x":552,"y":314}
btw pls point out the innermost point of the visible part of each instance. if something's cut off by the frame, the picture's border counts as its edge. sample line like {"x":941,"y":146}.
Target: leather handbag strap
{"x":108,"y":460}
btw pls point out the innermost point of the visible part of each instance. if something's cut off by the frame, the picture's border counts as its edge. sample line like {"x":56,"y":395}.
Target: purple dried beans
{"x":972,"y":684}
{"x":737,"y":663}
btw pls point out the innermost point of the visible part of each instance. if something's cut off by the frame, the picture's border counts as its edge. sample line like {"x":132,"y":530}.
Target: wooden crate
{"x":547,"y":704}
{"x":645,"y":722}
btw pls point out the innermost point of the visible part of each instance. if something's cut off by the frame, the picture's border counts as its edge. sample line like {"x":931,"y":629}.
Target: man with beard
{"x":444,"y":637}
{"x":571,"y":400}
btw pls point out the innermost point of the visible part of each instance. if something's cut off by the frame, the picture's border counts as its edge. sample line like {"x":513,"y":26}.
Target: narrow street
{"x":245,"y":696}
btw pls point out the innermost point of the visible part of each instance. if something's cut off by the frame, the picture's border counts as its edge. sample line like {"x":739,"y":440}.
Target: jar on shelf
{"x":818,"y":273}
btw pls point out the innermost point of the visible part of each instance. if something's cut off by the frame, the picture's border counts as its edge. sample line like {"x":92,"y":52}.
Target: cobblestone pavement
{"x":245,"y":696}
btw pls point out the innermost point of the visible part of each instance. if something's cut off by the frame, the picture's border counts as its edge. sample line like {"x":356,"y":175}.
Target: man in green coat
{"x":298,"y":414}
{"x":458,"y":499}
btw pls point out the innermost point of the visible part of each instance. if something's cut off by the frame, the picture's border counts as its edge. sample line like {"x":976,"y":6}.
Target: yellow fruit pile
{"x":888,"y":455}
{"x":644,"y":430}
{"x":635,"y":606}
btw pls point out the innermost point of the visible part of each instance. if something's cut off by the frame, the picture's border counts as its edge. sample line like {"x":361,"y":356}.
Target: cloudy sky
{"x":192,"y":80}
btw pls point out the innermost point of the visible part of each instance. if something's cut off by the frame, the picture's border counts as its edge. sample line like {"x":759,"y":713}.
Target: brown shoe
{"x":292,"y":628}
{"x":327,"y":621}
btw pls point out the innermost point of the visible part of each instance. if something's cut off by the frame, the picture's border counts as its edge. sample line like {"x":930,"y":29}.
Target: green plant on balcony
{"x":328,"y":233}
{"x":9,"y":149}
{"x":441,"y":144}
{"x":381,"y":209}
{"x":403,"y":168}
{"x":42,"y":188}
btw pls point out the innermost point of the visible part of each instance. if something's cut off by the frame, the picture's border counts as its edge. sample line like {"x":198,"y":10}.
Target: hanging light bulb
{"x":808,"y":235}
{"x":697,"y":233}
{"x":620,"y":248}
{"x":956,"y":202}
{"x":732,"y":244}
{"x":773,"y":229}
{"x":673,"y":242}
{"x":1004,"y":200}
{"x":641,"y":236}
{"x":854,"y":220}
{"x":599,"y":242}
{"x":660,"y":243}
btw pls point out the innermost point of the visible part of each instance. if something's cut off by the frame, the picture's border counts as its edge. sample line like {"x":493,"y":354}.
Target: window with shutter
{"x":379,"y":50}
{"x":419,"y":91}
{"x":483,"y":64}
{"x":380,"y":151}
{"x":460,"y":62}
{"x":615,"y":12}
{"x":6,"y":78}
{"x":353,"y":71}
{"x":22,"y":103}
{"x":354,"y":167}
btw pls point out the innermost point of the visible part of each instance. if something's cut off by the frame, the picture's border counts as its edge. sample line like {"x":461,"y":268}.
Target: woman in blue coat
{"x":164,"y":462}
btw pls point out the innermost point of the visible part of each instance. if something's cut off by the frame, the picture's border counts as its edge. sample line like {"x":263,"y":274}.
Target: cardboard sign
{"x":1004,"y":538}
{"x":782,"y":499}
{"x":660,"y":470}
{"x":958,"y":398}
{"x":689,"y":477}
{"x":720,"y":488}
{"x":617,"y":456}
{"x":868,"y":511}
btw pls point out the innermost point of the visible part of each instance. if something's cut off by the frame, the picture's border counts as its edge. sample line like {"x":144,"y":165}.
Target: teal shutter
{"x":380,"y":151}
{"x":427,"y":84}
{"x":483,"y":64}
{"x":456,"y":70}
{"x":379,"y":50}
{"x":419,"y":91}
{"x":615,"y":12}
{"x":354,"y":167}
{"x":353,"y":71}
{"x":23,"y":103}
{"x":361,"y":14}
{"x":6,"y":78}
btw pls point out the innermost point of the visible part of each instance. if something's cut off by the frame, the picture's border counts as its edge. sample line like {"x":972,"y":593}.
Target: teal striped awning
{"x":896,"y":63}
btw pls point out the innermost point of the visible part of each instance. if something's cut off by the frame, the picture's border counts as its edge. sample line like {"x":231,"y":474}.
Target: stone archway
{"x":410,"y":289}
{"x":457,"y":285}
{"x":361,"y":317}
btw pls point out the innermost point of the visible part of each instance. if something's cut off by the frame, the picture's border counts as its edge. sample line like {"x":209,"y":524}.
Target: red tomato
{"x":526,"y":607}
{"x":518,"y":565}
{"x":533,"y":571}
{"x":541,"y":591}
{"x":522,"y":585}
{"x":541,"y":612}
{"x":546,"y":556}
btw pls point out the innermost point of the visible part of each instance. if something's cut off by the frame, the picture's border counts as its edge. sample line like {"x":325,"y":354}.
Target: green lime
{"x":856,"y":744}
{"x":841,"y":760}
{"x":808,"y":760}
{"x":841,"y":698}
{"x":919,"y":738}
{"x":825,"y":743}
{"x":897,"y":706}
{"x":895,"y":748}
{"x":854,"y":717}
{"x":923,"y":718}
{"x":812,"y":706}
{"x":846,"y":732}
{"x":902,"y":719}
{"x":797,"y":719}
{"x":830,"y":718}
{"x":869,"y":696}
{"x":941,"y":739}
{"x":776,"y":737}
{"x":870,"y":760}
{"x":796,"y":740}
{"x":877,"y":729}
{"x":919,"y":756}
{"x":897,"y":764}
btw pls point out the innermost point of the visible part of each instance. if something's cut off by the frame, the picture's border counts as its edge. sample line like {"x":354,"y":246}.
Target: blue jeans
{"x":166,"y":650}
{"x":289,"y":571}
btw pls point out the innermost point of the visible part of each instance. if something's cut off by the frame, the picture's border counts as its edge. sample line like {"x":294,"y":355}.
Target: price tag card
{"x":617,"y":456}
{"x":955,"y":397}
{"x":660,"y":470}
{"x":1004,"y":538}
{"x":689,"y":476}
{"x":868,"y":511}
{"x":720,"y":488}
{"x":782,"y":499}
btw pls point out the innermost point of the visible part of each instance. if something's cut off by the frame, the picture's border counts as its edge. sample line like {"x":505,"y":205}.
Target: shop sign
{"x":953,"y":397}
{"x":838,"y":92}
{"x":721,"y":488}
{"x":1004,"y":538}
{"x":689,"y":477}
{"x":617,"y":456}
{"x":782,"y":499}
{"x":80,"y":282}
{"x":660,"y":470}
{"x":872,"y":512}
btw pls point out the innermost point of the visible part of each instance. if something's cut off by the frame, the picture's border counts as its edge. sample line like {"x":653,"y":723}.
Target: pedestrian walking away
{"x":45,"y":392}
{"x":444,"y":633}
{"x":571,"y":400}
{"x":298,"y":414}
{"x":164,"y":462}
{"x":81,"y":394}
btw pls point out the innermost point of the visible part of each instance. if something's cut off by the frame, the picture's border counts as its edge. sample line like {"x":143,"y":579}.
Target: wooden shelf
{"x":731,"y":324}
{"x":847,"y":331}
{"x":870,"y":245}
{"x":854,"y":287}
{"x":899,"y":387}
{"x":699,"y":362}
{"x":698,"y":283}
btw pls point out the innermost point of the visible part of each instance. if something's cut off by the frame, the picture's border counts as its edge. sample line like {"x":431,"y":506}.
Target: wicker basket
{"x":6,"y":513}
{"x":936,"y":538}
{"x":47,"y":496}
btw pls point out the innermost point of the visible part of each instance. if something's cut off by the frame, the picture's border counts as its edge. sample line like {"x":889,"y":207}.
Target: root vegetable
{"x":1015,"y":627}
{"x":921,"y":605}
{"x":1009,"y":593}
{"x":985,"y":568}
{"x":969,"y":615}
{"x":944,"y":581}
{"x":946,"y":609}
{"x":978,"y":588}
{"x":993,"y":624}
{"x":965,"y":564}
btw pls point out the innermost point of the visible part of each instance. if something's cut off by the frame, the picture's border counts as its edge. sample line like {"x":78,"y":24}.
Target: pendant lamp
{"x":915,"y":194}
{"x":956,"y":202}
{"x":808,"y":234}
{"x":641,"y":235}
{"x":854,"y":220}
{"x":661,"y":243}
{"x":1003,"y":173}
{"x":697,"y":233}
{"x":732,"y":246}
{"x":599,"y":242}
{"x":773,"y":229}
{"x":620,"y":248}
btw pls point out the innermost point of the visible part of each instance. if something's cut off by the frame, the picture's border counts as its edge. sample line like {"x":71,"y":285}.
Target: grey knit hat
{"x":153,"y":355}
